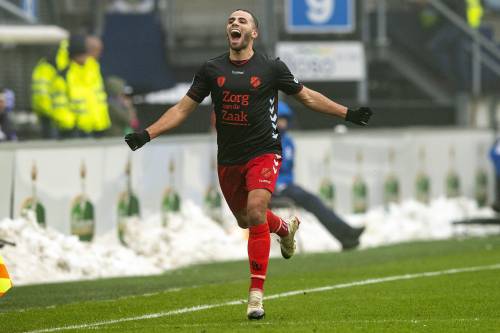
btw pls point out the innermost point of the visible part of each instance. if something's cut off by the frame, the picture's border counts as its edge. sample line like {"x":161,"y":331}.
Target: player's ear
{"x":255,"y":33}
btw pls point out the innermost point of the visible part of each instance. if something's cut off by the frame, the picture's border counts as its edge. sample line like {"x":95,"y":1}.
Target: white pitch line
{"x":333,"y":321}
{"x":275,"y":296}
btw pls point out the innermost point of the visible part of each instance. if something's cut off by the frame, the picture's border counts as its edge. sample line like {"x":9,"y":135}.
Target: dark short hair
{"x":254,"y":18}
{"x":76,"y":45}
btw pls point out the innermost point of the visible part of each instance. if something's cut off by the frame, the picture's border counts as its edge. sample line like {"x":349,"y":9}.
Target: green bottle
{"x":213,"y":200}
{"x":171,"y":202}
{"x":481,"y":187}
{"x":33,"y":204}
{"x":422,"y":181}
{"x":391,"y":184}
{"x":82,"y":213}
{"x":359,"y":189}
{"x":327,"y":188}
{"x":452,"y":179}
{"x":213,"y":203}
{"x":481,"y":181}
{"x":128,"y":205}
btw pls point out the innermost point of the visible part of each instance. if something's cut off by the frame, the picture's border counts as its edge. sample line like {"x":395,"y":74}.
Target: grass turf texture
{"x":463,"y":302}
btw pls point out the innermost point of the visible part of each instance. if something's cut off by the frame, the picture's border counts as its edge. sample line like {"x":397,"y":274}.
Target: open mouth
{"x":235,"y":33}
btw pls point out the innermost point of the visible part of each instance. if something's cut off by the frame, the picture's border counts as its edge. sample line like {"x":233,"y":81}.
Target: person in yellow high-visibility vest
{"x":474,"y":13}
{"x":98,"y":105}
{"x":5,"y":282}
{"x":79,"y":86}
{"x":49,"y":99}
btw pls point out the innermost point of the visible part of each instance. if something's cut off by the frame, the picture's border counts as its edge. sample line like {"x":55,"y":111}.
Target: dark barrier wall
{"x":134,"y":50}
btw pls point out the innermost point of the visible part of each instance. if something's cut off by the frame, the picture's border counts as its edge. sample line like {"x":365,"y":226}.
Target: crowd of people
{"x":69,"y":95}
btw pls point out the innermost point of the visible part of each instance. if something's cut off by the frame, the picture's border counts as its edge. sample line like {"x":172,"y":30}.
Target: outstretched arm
{"x":172,"y":118}
{"x":320,"y":103}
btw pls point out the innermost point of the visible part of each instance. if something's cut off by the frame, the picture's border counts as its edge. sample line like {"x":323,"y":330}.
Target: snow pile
{"x":412,"y":220}
{"x":45,"y":255}
{"x":189,"y":237}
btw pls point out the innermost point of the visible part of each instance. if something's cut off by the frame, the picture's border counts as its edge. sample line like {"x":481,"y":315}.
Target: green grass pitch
{"x":384,"y":299}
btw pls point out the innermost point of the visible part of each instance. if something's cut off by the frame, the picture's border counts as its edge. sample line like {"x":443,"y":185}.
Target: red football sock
{"x":276,"y":224}
{"x":259,"y":244}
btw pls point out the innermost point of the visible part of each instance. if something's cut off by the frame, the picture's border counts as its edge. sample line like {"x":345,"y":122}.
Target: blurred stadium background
{"x":430,"y":70}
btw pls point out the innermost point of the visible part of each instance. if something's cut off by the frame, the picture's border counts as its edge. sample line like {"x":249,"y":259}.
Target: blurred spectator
{"x":68,"y":90}
{"x":97,"y":99}
{"x":6,"y":129}
{"x":121,"y":109}
{"x":286,"y":188}
{"x":450,"y":44}
{"x":49,"y":99}
{"x":10,"y":99}
{"x":78,"y":86}
{"x":495,"y":158}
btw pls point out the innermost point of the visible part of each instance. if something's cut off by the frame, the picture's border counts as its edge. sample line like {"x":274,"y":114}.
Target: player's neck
{"x":241,"y":55}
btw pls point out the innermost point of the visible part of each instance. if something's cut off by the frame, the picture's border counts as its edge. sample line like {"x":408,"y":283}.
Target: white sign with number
{"x":320,"y":16}
{"x":324,"y":61}
{"x":320,"y":11}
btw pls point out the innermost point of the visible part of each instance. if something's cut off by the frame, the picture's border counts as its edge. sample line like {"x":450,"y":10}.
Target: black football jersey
{"x":245,"y":101}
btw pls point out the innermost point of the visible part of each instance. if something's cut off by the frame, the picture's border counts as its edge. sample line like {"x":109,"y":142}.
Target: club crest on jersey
{"x":255,"y":81}
{"x":266,"y":172}
{"x":221,"y":80}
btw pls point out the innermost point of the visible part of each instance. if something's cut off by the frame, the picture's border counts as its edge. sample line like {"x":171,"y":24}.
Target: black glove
{"x":137,"y":140}
{"x":360,"y":116}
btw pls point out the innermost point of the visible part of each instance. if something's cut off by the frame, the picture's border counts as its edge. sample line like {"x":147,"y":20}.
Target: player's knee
{"x":256,"y":213}
{"x":242,"y":219}
{"x":242,"y":222}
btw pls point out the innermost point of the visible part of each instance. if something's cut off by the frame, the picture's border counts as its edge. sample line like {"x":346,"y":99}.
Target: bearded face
{"x":240,"y":30}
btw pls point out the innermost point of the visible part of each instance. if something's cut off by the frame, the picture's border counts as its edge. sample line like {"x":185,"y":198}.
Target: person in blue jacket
{"x":286,"y":188}
{"x":495,"y":158}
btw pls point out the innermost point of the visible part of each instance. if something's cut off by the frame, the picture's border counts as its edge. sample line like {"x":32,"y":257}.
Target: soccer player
{"x":244,"y":84}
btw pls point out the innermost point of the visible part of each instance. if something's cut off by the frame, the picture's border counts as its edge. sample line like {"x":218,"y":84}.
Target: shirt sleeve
{"x":285,"y":80}
{"x":200,"y":88}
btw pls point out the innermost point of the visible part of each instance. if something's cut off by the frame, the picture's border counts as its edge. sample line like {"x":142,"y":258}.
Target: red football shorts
{"x":236,"y":181}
